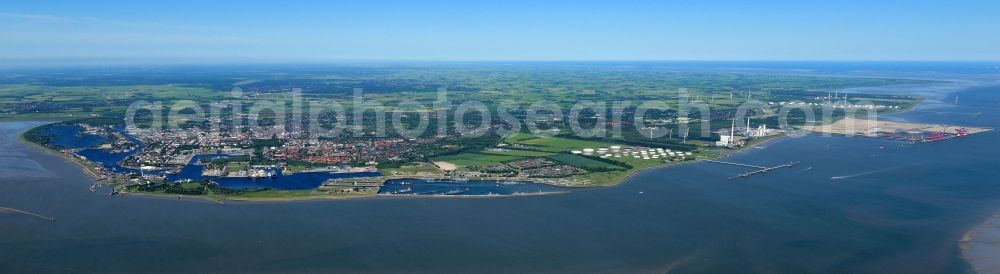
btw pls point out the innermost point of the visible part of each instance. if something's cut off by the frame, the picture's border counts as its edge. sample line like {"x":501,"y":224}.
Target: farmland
{"x":381,"y":103}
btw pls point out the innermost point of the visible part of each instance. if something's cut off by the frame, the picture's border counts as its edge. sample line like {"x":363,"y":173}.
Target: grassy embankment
{"x":201,"y":190}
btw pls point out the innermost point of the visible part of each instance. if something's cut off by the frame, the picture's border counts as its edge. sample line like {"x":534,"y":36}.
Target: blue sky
{"x":501,"y":30}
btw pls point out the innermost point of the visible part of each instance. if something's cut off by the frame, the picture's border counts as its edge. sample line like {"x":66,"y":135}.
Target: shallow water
{"x":853,"y":205}
{"x":70,"y":136}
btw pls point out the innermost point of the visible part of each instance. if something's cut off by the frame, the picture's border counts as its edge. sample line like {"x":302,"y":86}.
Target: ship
{"x":456,"y":191}
{"x":260,"y":173}
{"x":403,"y":191}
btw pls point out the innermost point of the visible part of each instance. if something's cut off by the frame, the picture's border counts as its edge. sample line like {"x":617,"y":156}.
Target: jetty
{"x":14,"y":210}
{"x":757,"y":169}
{"x":735,"y":164}
{"x":763,"y":170}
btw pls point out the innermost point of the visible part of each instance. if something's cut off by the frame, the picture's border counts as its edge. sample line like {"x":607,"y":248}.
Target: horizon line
{"x":156,"y":61}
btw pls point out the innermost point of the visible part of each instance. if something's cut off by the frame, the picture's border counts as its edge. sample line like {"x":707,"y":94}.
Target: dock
{"x":758,"y":169}
{"x":763,"y":170}
{"x":736,"y":164}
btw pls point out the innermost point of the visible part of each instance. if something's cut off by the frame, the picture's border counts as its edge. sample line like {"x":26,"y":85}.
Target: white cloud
{"x":101,"y":21}
{"x":35,"y":17}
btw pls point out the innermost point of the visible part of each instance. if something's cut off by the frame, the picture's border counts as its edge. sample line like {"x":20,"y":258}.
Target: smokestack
{"x":732,"y":131}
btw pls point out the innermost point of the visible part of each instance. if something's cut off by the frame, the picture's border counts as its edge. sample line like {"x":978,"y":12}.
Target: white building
{"x":726,"y":140}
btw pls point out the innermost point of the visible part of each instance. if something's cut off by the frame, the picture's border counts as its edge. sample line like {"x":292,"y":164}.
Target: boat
{"x":262,"y":174}
{"x":403,"y":191}
{"x":456,"y":191}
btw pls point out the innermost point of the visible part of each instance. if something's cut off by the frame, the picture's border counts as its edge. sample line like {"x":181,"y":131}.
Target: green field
{"x":469,"y":159}
{"x":610,"y":174}
{"x":553,"y":144}
{"x":411,"y":169}
{"x":519,"y":137}
{"x":72,"y":102}
{"x":515,"y":152}
{"x":584,"y":162}
{"x":100,"y":93}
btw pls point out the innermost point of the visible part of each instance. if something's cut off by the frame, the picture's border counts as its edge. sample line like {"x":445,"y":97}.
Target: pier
{"x":759,"y":169}
{"x":763,"y":170}
{"x":736,"y":164}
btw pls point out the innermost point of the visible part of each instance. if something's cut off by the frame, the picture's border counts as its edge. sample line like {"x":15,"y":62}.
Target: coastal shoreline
{"x":619,"y":182}
{"x":86,"y":168}
{"x":320,"y":197}
{"x":224,"y":199}
{"x":743,"y":148}
{"x":622,"y":181}
{"x":980,"y":246}
{"x":721,"y":156}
